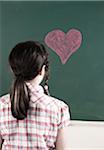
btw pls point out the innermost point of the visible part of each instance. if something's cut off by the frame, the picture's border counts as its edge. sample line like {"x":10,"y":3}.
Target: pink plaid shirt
{"x":46,"y":115}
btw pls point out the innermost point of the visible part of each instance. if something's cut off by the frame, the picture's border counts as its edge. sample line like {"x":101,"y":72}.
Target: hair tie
{"x":19,"y":77}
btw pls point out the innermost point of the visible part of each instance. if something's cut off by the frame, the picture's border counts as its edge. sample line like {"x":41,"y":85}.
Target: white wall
{"x":84,"y":135}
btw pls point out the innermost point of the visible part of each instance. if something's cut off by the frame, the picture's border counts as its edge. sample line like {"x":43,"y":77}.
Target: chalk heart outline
{"x":64,"y":44}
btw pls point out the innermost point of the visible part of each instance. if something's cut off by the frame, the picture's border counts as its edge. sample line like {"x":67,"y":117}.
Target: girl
{"x":30,"y":119}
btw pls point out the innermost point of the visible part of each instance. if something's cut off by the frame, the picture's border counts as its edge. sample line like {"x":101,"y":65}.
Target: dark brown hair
{"x":26,"y":60}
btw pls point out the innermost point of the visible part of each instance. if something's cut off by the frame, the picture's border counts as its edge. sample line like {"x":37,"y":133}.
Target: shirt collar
{"x":36,"y":91}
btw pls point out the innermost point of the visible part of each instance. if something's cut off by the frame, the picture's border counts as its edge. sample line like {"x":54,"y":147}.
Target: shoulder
{"x":4,"y":100}
{"x":60,"y":111}
{"x":55,"y":103}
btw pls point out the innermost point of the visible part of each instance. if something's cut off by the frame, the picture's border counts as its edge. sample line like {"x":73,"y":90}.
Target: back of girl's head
{"x":26,"y":60}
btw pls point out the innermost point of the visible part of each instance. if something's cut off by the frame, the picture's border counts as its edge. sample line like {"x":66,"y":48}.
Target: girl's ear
{"x":42,"y":72}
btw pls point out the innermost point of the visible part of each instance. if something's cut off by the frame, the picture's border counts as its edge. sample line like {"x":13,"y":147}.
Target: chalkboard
{"x":80,"y":81}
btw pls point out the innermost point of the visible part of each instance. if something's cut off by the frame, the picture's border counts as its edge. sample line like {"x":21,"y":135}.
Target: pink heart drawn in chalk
{"x":64,"y":44}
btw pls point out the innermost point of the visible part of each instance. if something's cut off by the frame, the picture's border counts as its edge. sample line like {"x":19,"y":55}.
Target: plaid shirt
{"x":39,"y":130}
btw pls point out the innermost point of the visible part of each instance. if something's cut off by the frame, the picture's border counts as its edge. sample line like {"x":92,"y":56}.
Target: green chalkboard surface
{"x":80,"y":81}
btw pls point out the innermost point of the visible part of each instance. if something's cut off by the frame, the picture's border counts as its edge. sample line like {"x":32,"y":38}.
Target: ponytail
{"x":20,"y":98}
